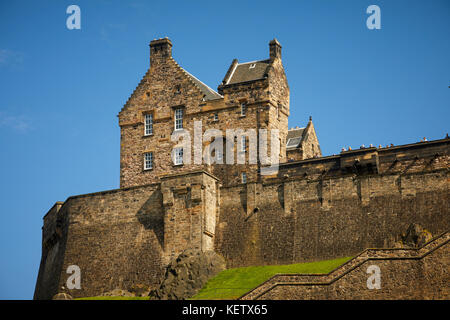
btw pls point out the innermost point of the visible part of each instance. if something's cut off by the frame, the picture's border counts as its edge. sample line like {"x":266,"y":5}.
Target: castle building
{"x":313,"y":207}
{"x":252,"y":95}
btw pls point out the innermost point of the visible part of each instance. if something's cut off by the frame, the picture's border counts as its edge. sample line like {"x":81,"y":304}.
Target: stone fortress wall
{"x":126,"y":236}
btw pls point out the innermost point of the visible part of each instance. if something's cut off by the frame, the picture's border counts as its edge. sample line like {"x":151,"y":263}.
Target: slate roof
{"x":209,"y":93}
{"x":294,"y":138}
{"x":249,"y":71}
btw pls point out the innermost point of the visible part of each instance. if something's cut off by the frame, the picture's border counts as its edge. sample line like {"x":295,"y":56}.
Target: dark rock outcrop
{"x":187,"y":274}
{"x":415,"y":237}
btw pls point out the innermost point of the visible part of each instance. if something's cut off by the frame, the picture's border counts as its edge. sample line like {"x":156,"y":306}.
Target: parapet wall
{"x":403,"y":274}
{"x":115,"y":237}
{"x":126,"y":237}
{"x":335,"y":206}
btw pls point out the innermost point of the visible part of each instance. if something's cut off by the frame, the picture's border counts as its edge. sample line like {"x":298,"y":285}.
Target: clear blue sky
{"x":60,"y":89}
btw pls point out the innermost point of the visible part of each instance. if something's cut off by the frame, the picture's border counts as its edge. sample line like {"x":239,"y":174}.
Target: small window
{"x":252,"y":65}
{"x":148,"y":124}
{"x":243,"y":143}
{"x":178,"y":156}
{"x":148,"y":161}
{"x":216,"y":116}
{"x":178,"y":119}
{"x":243,"y":109}
{"x":244,"y":177}
{"x":293,"y":142}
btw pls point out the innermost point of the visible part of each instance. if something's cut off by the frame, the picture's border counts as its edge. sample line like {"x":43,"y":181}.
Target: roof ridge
{"x":192,"y":79}
{"x":265,"y":60}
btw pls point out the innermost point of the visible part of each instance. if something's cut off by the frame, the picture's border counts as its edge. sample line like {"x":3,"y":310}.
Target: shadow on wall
{"x":151,"y":215}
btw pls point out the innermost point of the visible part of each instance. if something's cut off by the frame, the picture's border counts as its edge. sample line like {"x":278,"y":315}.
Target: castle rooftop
{"x":248,"y":71}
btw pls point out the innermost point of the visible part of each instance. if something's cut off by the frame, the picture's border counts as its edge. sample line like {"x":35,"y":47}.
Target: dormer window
{"x":243,"y":109}
{"x":148,"y":121}
{"x":179,"y":119}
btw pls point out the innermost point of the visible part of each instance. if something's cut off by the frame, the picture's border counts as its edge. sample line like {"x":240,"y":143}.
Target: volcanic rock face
{"x":415,"y":237}
{"x":187,"y":274}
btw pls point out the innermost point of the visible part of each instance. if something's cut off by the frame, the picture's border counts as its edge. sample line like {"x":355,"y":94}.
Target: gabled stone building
{"x":252,"y":95}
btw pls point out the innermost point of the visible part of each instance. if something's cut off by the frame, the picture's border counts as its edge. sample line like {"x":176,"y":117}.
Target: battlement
{"x":409,"y":158}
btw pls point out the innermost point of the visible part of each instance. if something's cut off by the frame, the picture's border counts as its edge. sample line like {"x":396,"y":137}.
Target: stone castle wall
{"x":319,"y":209}
{"x":123,"y":237}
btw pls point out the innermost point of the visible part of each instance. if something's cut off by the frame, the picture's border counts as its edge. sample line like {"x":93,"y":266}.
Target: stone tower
{"x":169,"y":100}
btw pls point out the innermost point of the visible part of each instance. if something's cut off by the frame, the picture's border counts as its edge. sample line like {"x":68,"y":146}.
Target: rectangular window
{"x":216,"y":116}
{"x":148,"y":161}
{"x":244,"y":177}
{"x":178,"y":156}
{"x":243,"y":109}
{"x":148,"y":124}
{"x":243,"y":143}
{"x":178,"y":119}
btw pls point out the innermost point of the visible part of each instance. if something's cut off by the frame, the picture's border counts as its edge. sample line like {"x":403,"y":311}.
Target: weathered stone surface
{"x":187,"y":274}
{"x":139,"y":290}
{"x":62,"y":296}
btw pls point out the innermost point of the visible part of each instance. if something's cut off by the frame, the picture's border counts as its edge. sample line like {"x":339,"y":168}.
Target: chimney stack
{"x":160,"y":50}
{"x":275,"y":49}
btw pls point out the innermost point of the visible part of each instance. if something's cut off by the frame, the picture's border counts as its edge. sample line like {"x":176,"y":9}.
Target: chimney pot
{"x":160,"y":50}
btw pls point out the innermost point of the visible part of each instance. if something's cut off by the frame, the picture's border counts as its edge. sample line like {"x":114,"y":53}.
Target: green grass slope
{"x":232,"y":283}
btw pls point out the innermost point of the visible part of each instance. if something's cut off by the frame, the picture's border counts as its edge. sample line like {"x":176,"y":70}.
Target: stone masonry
{"x":315,"y":207}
